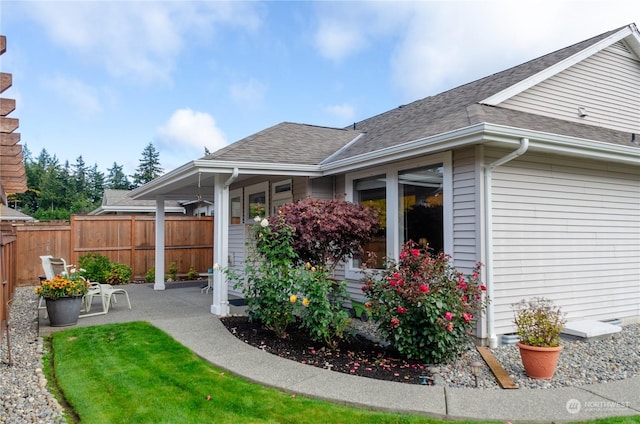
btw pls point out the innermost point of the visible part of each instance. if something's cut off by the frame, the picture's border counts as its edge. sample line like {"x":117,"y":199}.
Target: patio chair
{"x":107,"y":294}
{"x":52,"y":267}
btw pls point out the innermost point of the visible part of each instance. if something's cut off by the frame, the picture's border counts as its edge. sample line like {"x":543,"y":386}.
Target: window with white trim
{"x":235,"y":206}
{"x":415,"y":200}
{"x":281,"y":193}
{"x":256,"y":199}
{"x":420,"y":192}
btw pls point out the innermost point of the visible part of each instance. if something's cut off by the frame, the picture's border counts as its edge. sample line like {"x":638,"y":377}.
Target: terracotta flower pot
{"x":539,"y":362}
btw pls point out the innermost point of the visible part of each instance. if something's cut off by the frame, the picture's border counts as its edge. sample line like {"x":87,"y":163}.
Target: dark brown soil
{"x":356,"y":356}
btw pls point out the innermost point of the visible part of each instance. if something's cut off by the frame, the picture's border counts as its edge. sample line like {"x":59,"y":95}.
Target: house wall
{"x":569,"y":230}
{"x":467,"y":213}
{"x":606,"y":85}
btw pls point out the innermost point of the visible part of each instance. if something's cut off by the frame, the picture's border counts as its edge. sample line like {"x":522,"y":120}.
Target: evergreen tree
{"x":116,"y":178}
{"x":149,"y":167}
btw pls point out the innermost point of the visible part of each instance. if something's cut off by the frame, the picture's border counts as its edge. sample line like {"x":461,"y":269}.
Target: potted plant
{"x":538,"y":324}
{"x":63,"y":295}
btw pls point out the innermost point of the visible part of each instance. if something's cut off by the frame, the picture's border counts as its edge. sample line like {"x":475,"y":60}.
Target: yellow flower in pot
{"x":63,"y":295}
{"x":539,"y":324}
{"x":71,"y":285}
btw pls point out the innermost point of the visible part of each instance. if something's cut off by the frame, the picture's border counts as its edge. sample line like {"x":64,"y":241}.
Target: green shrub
{"x":173,"y":271}
{"x":119,"y":274}
{"x":269,"y":276}
{"x":192,"y":274}
{"x":425,"y":308}
{"x":320,"y":305}
{"x":150,"y":276}
{"x":96,"y":267}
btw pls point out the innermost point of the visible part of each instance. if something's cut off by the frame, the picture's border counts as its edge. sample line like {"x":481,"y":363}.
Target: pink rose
{"x":402,"y":310}
{"x":448,"y":316}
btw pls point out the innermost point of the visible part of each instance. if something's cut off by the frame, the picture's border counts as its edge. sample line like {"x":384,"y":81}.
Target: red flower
{"x":424,"y":288}
{"x":448,"y":316}
{"x":403,"y":255}
{"x":450,"y":327}
{"x":462,"y":286}
{"x":467,"y":317}
{"x":367,"y":305}
{"x":483,"y":287}
{"x":402,"y":310}
{"x":415,"y":252}
{"x":364,"y":287}
{"x":464,"y":298}
{"x":394,"y":322}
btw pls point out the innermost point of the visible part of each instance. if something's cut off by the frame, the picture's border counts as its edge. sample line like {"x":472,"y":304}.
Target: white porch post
{"x":159,"y":262}
{"x":220,"y":304}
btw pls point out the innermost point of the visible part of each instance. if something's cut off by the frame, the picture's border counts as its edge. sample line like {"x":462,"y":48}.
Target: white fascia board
{"x":202,"y":166}
{"x":527,"y":83}
{"x":255,"y":168}
{"x":428,"y":145}
{"x":572,"y":146}
{"x":489,"y":133}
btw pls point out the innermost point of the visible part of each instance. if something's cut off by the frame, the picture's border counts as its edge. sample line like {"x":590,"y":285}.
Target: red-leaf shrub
{"x":329,"y":231}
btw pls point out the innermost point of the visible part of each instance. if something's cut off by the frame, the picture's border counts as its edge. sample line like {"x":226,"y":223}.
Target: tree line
{"x":57,"y":190}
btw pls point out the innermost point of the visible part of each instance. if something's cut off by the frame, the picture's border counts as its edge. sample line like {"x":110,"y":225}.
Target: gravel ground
{"x":580,"y":362}
{"x":24,"y":397}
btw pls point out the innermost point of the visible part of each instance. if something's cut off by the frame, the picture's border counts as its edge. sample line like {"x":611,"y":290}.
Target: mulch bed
{"x":356,"y":356}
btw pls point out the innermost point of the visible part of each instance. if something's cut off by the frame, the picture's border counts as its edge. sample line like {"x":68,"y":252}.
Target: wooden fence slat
{"x":123,"y":239}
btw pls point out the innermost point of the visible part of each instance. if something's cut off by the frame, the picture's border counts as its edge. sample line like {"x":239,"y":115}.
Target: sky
{"x":103,"y":79}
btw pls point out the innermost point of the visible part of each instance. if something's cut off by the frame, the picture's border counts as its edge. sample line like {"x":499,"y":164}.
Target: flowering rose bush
{"x":68,"y":285}
{"x":279,"y":287}
{"x":425,"y":308}
{"x":322,"y":314}
{"x":269,"y":283}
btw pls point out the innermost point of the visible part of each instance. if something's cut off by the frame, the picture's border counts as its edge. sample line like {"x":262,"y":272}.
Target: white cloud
{"x":138,"y":40}
{"x":82,"y":98}
{"x":249,"y":94}
{"x":191,"y":130}
{"x":345,"y":112}
{"x":337,"y":41}
{"x":438,"y":45}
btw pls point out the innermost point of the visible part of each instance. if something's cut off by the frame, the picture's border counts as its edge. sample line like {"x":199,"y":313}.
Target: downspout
{"x":232,"y":178}
{"x":488,"y":212}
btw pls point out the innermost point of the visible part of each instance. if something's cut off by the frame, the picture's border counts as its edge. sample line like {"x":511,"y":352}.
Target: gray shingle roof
{"x":450,"y":110}
{"x":287,"y":143}
{"x":453,"y":109}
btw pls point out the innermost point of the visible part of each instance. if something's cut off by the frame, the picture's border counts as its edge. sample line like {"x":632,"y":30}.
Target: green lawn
{"x":136,"y":373}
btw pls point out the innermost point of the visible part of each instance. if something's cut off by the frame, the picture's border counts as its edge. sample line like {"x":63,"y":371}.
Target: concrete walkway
{"x":183,"y":311}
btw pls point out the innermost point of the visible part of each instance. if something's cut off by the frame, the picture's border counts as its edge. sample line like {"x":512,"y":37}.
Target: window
{"x":281,"y":193}
{"x":256,"y":201}
{"x":235,"y":206}
{"x":372,"y":191}
{"x":414,"y":200}
{"x":420,"y":197}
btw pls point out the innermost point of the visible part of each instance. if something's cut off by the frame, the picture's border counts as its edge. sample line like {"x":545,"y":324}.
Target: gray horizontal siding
{"x":606,"y":85}
{"x":569,"y":230}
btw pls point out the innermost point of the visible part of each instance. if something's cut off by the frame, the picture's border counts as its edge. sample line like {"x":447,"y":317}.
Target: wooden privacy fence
{"x":7,"y":285}
{"x":126,"y":239}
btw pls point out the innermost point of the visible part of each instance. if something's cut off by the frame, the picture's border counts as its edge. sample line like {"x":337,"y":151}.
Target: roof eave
{"x":484,"y":133}
{"x":205,"y":166}
{"x":527,"y":83}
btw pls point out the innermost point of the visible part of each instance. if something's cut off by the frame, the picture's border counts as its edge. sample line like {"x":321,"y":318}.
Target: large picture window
{"x":372,"y":192}
{"x":420,"y":197}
